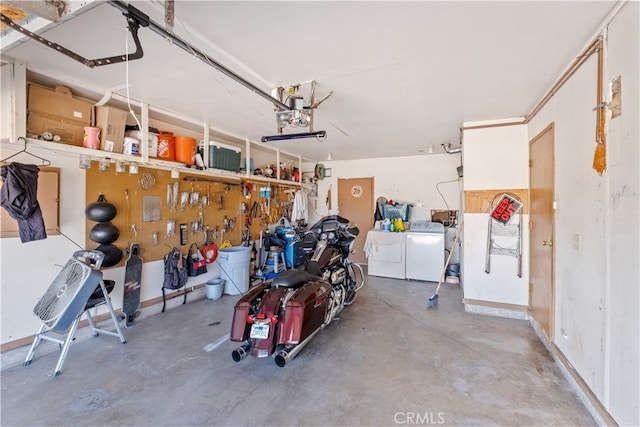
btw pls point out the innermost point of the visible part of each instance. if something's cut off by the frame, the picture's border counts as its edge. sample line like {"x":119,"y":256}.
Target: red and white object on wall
{"x":505,"y":209}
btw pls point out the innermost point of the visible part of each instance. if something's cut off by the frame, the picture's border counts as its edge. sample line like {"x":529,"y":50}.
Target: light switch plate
{"x":577,"y":241}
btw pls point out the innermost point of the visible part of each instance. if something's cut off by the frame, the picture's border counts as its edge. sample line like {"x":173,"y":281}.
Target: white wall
{"x":27,"y":269}
{"x":402,"y":179}
{"x":579,"y":196}
{"x":622,"y":200}
{"x":495,"y":158}
{"x":6,"y":80}
{"x":597,"y":295}
{"x":597,"y":321}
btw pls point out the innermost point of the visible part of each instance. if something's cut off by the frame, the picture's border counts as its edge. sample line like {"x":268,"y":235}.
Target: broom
{"x":433,"y":301}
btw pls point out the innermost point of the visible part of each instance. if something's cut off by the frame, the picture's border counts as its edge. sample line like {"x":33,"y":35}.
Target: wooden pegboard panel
{"x":114,"y":186}
{"x":477,"y":201}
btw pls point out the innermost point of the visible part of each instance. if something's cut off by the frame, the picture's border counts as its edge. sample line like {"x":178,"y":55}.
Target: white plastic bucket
{"x":152,"y":141}
{"x":131,"y":146}
{"x":214,"y":288}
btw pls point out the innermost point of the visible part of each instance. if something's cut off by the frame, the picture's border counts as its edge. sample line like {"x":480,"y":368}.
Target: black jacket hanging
{"x":19,"y":197}
{"x":378,"y":214}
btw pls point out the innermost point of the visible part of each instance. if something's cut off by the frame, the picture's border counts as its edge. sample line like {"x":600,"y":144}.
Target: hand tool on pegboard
{"x":264,"y":211}
{"x":220,"y":201}
{"x":254,"y":211}
{"x":126,"y":196}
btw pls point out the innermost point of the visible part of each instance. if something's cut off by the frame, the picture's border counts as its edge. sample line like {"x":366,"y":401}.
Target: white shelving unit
{"x":149,"y":114}
{"x":170,"y":118}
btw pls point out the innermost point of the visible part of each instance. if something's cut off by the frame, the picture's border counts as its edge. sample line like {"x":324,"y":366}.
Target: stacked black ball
{"x":104,"y":232}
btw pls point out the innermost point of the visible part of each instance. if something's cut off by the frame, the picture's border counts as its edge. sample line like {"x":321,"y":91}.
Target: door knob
{"x":547,"y":243}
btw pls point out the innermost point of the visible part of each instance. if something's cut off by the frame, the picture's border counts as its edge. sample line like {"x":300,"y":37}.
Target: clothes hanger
{"x":45,"y":162}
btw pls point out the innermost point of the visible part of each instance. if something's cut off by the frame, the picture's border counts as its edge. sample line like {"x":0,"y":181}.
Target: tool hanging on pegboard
{"x":254,"y":212}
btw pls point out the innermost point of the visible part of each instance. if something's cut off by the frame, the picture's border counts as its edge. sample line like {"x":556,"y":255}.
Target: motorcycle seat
{"x":293,"y":278}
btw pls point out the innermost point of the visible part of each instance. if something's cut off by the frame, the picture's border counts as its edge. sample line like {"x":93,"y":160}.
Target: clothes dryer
{"x":424,"y":248}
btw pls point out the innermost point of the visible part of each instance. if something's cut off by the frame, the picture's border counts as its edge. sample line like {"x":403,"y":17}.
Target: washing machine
{"x":424,"y":248}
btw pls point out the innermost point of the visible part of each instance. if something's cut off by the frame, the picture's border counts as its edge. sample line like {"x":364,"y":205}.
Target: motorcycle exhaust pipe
{"x":241,"y":352}
{"x":283,"y":357}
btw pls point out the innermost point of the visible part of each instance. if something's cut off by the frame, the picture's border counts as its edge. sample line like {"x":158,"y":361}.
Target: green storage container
{"x":224,"y":157}
{"x":396,"y":211}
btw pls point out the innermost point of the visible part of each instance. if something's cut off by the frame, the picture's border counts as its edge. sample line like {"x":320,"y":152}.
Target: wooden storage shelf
{"x":155,"y":163}
{"x":161,"y":118}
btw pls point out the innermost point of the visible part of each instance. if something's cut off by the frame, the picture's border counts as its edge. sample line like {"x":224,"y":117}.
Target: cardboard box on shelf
{"x":58,"y":102}
{"x":70,"y":131}
{"x":111,"y":122}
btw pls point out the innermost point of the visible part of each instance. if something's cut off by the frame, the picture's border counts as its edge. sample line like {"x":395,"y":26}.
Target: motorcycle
{"x":280,"y":317}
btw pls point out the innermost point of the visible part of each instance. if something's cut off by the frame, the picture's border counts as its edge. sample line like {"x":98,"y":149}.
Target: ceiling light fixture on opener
{"x":319,"y":135}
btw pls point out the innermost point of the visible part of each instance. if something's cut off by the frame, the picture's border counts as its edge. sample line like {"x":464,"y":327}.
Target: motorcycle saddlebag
{"x":305,"y":312}
{"x":239,"y":326}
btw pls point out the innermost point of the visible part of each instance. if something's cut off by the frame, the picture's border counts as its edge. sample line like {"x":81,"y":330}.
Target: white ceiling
{"x":404,"y":75}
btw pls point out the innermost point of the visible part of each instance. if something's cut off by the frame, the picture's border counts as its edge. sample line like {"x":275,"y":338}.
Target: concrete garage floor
{"x":387,"y":361}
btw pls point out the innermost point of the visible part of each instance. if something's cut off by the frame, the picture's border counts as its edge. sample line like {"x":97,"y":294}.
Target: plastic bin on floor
{"x":234,"y":265}
{"x":214,"y":288}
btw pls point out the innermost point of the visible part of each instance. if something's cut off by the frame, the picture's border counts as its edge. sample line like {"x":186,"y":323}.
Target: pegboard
{"x":130,"y":218}
{"x":478,"y":201}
